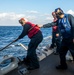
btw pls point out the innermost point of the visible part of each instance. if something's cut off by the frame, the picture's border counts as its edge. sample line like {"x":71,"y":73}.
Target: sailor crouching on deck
{"x":35,"y":35}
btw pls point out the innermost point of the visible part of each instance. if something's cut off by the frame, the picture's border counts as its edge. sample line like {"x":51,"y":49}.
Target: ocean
{"x":9,"y":33}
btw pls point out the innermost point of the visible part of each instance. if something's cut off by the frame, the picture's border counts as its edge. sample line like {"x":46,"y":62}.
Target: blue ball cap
{"x":59,"y":9}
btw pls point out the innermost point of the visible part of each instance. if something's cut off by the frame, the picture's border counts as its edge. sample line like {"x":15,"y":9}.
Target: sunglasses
{"x":20,"y":22}
{"x":59,"y":13}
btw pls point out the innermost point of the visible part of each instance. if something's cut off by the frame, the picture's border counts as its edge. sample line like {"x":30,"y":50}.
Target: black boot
{"x":26,"y":61}
{"x":61,"y":67}
{"x":51,"y":47}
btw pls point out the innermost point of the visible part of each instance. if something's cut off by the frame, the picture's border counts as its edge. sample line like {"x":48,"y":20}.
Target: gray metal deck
{"x":47,"y":67}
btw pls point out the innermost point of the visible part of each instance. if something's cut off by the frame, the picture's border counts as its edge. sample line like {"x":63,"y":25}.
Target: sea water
{"x":9,"y":33}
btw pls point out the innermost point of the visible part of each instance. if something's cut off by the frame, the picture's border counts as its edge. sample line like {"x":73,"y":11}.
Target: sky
{"x":36,"y":11}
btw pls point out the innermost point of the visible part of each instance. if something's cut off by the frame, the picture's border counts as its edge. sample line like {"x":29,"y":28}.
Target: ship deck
{"x":47,"y":67}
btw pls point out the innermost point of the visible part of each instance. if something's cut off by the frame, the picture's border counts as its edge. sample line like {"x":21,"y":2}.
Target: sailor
{"x":65,"y":24}
{"x":66,"y":27}
{"x":35,"y":35}
{"x":56,"y":38}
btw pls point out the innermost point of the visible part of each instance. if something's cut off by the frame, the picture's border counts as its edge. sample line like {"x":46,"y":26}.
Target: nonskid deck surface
{"x":47,"y":67}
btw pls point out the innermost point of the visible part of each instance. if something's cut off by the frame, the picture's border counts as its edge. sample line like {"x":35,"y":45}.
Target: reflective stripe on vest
{"x":33,"y":30}
{"x":55,"y":28}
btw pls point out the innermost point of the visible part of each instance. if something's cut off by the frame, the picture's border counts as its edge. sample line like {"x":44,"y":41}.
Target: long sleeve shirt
{"x":71,"y":21}
{"x":26,"y":27}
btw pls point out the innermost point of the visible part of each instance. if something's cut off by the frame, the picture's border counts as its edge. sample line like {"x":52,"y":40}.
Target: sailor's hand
{"x":57,"y":35}
{"x":40,"y":26}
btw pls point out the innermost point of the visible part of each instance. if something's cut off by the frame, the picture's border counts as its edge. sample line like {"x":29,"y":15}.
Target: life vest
{"x":54,"y":28}
{"x":64,"y":26}
{"x":33,"y":30}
